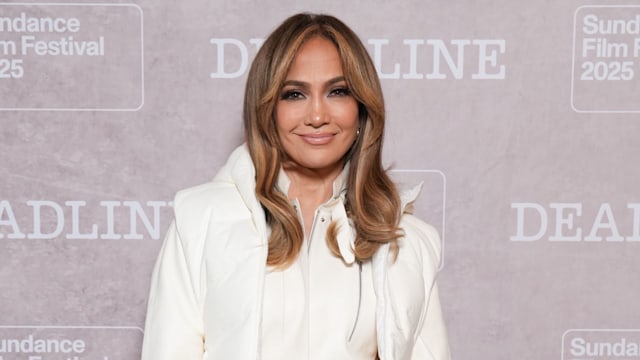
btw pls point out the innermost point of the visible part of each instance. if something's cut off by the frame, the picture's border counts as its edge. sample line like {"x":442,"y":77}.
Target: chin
{"x":319,"y":163}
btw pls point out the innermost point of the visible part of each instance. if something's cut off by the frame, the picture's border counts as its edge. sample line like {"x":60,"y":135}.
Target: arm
{"x":432,"y":342}
{"x":174,"y":328}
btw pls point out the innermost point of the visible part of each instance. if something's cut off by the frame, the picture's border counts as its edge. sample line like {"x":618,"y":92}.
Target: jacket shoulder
{"x":194,"y":208}
{"x":200,"y":197}
{"x":422,"y":238}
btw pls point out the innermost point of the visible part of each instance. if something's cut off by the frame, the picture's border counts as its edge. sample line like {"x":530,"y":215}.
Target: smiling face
{"x":316,"y":115}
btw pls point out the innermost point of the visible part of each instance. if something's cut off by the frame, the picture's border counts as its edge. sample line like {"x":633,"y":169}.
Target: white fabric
{"x":208,"y":283}
{"x":304,"y":305}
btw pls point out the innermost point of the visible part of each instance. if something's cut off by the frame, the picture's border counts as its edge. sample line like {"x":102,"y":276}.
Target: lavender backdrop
{"x":522,"y":119}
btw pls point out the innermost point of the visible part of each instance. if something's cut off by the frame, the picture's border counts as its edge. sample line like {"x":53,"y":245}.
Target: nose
{"x":318,"y":112}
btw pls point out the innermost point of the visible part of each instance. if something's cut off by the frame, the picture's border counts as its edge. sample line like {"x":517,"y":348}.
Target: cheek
{"x":348,"y":116}
{"x":284,"y":119}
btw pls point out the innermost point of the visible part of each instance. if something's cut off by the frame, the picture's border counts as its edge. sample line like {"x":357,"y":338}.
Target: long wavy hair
{"x":372,"y":201}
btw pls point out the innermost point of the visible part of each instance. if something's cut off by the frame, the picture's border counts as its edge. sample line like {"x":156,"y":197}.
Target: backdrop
{"x":521,"y":117}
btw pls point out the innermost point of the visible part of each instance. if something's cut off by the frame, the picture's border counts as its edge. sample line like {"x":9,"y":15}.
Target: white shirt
{"x":322,"y":306}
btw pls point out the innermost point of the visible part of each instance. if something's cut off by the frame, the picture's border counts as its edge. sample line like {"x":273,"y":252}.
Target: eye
{"x":341,"y":91}
{"x":292,"y":95}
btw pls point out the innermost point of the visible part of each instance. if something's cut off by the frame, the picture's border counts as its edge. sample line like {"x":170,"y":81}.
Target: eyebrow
{"x":329,"y":82}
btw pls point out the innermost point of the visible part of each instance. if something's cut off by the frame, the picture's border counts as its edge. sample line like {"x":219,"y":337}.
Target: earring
{"x":357,"y":132}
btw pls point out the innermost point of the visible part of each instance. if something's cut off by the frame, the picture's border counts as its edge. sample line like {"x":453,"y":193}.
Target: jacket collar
{"x":240,"y":171}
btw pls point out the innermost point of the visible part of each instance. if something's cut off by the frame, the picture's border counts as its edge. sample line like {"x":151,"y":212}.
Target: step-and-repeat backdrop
{"x":521,"y":118}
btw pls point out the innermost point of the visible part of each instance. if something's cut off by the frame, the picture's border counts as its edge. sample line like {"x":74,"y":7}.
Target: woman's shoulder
{"x":198,"y":198}
{"x":195,"y":208}
{"x":418,"y":235}
{"x":222,"y":191}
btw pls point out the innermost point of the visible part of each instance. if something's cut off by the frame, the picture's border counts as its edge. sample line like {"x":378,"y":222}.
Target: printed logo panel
{"x":71,"y":57}
{"x":606,"y":57}
{"x":601,"y":344}
{"x":70,"y":343}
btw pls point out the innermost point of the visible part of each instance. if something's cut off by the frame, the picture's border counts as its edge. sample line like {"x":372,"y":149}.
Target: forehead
{"x":317,"y":55}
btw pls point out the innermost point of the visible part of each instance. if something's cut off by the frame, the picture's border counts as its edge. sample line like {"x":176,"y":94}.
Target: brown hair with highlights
{"x":372,"y":201}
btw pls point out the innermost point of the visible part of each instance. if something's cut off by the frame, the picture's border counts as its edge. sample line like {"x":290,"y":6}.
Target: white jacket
{"x":208,"y":279}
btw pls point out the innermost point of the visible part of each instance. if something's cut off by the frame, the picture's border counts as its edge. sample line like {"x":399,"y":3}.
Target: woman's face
{"x":316,"y":116}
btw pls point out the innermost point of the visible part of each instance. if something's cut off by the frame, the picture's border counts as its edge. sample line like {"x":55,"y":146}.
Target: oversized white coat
{"x":207,"y":285}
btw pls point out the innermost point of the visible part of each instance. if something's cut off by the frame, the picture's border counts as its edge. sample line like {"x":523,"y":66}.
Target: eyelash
{"x":343,"y":91}
{"x":296,"y":94}
{"x":291,"y":95}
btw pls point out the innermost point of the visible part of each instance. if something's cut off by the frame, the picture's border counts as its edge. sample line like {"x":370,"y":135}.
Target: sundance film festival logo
{"x":70,"y":343}
{"x":601,"y":344}
{"x":411,"y":59}
{"x":45,"y":46}
{"x":606,"y":59}
{"x":572,"y":222}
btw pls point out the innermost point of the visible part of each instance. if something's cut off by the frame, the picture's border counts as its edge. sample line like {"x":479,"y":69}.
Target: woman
{"x":301,"y":247}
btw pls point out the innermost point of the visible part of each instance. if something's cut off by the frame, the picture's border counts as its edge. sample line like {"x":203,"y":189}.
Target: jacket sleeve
{"x":433,"y":335}
{"x":174,"y":328}
{"x":432,"y":342}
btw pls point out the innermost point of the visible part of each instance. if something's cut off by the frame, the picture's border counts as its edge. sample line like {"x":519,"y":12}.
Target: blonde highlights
{"x":372,"y":201}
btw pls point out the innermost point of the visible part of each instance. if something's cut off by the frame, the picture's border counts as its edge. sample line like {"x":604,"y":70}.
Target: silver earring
{"x":357,"y":132}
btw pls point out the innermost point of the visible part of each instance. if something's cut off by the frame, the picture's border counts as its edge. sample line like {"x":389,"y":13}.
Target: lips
{"x":317,"y":139}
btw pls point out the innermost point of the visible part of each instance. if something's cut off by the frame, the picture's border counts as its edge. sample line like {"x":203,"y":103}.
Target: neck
{"x":312,"y":188}
{"x":311,"y":183}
